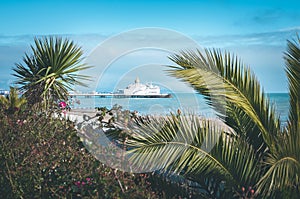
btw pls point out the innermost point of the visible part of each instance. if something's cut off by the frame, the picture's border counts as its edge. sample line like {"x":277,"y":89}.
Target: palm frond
{"x":283,"y":166}
{"x":292,"y":61}
{"x":4,"y":101}
{"x":190,"y":145}
{"x":230,"y":88}
{"x":12,"y":101}
{"x":52,"y":68}
{"x":283,"y":174}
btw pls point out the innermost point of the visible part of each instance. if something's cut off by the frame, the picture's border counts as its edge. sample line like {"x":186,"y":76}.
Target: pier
{"x":134,"y":90}
{"x":116,"y":95}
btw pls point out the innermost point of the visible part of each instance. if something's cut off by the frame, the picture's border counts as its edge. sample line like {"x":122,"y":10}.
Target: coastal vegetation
{"x":42,"y":156}
{"x":255,"y":156}
{"x":245,"y":153}
{"x":12,"y":103}
{"x":50,"y":71}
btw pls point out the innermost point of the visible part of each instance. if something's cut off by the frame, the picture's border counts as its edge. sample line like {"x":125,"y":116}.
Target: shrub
{"x":42,"y":157}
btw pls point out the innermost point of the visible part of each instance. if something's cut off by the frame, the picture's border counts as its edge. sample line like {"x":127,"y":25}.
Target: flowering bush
{"x":42,"y":157}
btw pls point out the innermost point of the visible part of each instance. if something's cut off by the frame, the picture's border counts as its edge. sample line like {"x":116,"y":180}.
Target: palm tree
{"x":12,"y":102}
{"x":251,"y":155}
{"x":50,"y":71}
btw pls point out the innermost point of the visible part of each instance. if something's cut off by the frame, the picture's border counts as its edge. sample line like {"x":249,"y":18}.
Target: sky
{"x":255,"y":30}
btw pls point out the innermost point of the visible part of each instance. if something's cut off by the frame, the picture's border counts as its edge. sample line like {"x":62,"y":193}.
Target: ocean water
{"x":186,"y":102}
{"x":281,"y":101}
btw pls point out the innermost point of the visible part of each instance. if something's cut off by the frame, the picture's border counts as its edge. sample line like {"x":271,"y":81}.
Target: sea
{"x":185,"y":102}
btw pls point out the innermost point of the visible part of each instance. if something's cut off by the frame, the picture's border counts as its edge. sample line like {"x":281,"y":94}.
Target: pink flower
{"x":78,"y":183}
{"x":82,"y":183}
{"x":62,"y":104}
{"x":88,"y":179}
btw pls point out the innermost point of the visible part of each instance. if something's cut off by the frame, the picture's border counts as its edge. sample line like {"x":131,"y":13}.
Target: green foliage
{"x":113,"y":151}
{"x":246,"y":153}
{"x":12,"y":103}
{"x":50,"y":71}
{"x":292,"y":60}
{"x":250,"y":154}
{"x":42,"y":157}
{"x":231,"y":89}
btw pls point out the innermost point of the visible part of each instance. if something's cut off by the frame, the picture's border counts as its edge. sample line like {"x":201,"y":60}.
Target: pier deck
{"x":115,"y":95}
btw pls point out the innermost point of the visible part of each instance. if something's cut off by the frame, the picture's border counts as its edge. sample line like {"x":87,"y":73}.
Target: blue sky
{"x":255,"y":30}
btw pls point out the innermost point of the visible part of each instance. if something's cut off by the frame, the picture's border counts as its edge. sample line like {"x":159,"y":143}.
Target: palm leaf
{"x":230,"y":88}
{"x":4,"y":101}
{"x":292,"y":61}
{"x":189,"y":145}
{"x":283,"y":168}
{"x":51,"y":70}
{"x":283,"y":164}
{"x":12,"y":101}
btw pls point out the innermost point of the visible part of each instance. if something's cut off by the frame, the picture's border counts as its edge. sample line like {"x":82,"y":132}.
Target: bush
{"x":42,"y":157}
